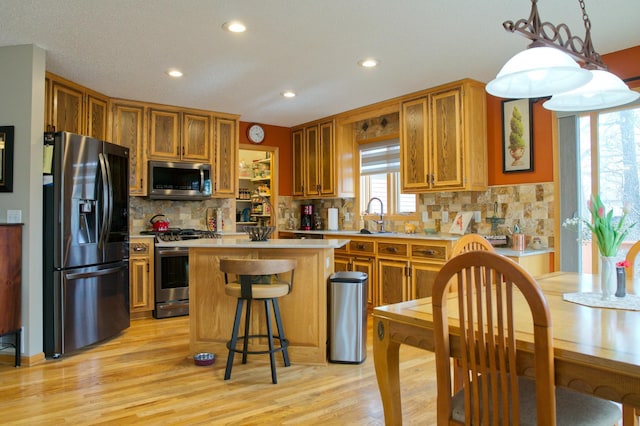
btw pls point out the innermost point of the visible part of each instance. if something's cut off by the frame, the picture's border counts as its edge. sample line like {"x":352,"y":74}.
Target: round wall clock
{"x":255,"y":133}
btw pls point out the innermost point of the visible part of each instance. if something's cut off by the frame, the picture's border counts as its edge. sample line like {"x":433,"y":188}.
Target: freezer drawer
{"x":90,"y":304}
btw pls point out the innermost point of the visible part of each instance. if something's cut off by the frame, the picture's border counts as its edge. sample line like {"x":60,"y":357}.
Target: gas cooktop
{"x":178,"y":234}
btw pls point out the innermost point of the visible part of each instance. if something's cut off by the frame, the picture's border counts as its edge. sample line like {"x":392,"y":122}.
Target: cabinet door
{"x":326,"y":159}
{"x":196,"y":131}
{"x":164,"y":135}
{"x":298,"y":162}
{"x":140,"y":286}
{"x":226,"y":146}
{"x":97,"y":108}
{"x":341,"y":263}
{"x":367,"y":265}
{"x":446,"y":135}
{"x":67,"y":112}
{"x":129,"y":130}
{"x":392,"y":281}
{"x":414,"y":145}
{"x":422,"y":277}
{"x":312,"y":158}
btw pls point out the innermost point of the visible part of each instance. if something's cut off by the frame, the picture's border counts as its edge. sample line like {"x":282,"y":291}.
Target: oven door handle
{"x":172,"y":251}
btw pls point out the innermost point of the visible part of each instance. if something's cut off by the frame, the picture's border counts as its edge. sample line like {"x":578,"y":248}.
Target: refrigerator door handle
{"x":79,"y":275}
{"x":106,"y":200}
{"x":110,"y":192}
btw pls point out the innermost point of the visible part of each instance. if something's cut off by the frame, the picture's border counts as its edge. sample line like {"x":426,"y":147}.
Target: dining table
{"x":596,"y":350}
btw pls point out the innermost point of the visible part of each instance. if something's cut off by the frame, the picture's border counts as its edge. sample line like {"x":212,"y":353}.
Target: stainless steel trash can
{"x":348,"y":317}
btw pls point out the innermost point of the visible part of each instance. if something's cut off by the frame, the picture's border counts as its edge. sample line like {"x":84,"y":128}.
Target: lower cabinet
{"x":393,"y":281}
{"x":141,"y":292}
{"x":398,"y":269}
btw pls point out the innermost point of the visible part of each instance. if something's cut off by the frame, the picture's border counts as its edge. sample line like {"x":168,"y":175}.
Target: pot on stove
{"x":159,"y":223}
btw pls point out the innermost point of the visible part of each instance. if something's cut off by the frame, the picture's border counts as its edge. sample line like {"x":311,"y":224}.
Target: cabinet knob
{"x":391,"y":249}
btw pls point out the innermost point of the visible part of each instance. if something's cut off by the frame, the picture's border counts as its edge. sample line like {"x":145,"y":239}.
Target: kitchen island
{"x":304,"y":310}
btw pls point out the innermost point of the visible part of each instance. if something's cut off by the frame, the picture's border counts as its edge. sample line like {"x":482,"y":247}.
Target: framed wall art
{"x":517,"y":136}
{"x":6,"y":158}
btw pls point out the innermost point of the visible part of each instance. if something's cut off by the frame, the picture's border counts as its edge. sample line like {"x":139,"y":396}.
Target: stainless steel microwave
{"x":179,"y":181}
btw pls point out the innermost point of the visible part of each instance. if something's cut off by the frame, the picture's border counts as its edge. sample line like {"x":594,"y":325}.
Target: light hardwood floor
{"x":146,"y":376}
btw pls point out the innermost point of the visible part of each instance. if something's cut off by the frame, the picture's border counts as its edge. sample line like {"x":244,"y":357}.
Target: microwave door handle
{"x":105,"y":198}
{"x":201,"y":180}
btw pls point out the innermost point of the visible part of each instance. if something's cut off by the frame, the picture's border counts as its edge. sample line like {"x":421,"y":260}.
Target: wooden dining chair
{"x":476,"y":324}
{"x":471,"y":242}
{"x":631,"y":258}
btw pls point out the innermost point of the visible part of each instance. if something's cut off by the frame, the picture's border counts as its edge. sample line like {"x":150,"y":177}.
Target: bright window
{"x":380,"y":177}
{"x":609,"y":164}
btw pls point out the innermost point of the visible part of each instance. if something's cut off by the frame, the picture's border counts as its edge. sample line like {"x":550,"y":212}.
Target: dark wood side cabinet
{"x":11,"y":283}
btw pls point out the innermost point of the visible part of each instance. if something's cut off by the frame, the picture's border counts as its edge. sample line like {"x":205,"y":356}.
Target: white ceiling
{"x":122,"y":48}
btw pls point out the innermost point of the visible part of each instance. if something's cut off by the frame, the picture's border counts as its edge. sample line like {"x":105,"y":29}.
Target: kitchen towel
{"x":333,"y":219}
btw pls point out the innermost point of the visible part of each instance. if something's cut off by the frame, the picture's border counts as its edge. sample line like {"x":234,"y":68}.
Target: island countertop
{"x":247,"y":243}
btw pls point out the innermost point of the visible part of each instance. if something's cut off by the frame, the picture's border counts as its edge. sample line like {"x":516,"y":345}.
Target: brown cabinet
{"x":72,"y":108}
{"x":129,"y":128}
{"x":141,"y":291}
{"x":179,"y":135}
{"x":399,"y":269}
{"x":444,"y":140}
{"x":225,"y":163}
{"x":319,"y":162}
{"x":11,"y":283}
{"x":393,"y":281}
{"x":359,"y":255}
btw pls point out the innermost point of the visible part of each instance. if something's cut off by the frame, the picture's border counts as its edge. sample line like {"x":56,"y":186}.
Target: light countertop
{"x":247,"y":243}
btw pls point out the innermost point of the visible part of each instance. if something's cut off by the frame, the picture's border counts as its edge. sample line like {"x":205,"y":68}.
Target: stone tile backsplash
{"x":529,"y":206}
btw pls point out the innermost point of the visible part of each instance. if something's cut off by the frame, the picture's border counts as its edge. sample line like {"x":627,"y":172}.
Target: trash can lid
{"x":348,"y":276}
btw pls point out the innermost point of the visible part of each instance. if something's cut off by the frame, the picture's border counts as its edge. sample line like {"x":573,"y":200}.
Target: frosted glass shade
{"x":605,"y":90}
{"x":538,"y":72}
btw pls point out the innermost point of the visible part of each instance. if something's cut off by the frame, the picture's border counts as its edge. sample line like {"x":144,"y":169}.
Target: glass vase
{"x":608,"y":278}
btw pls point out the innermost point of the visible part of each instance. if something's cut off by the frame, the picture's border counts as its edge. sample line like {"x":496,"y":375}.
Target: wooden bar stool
{"x":257,"y":279}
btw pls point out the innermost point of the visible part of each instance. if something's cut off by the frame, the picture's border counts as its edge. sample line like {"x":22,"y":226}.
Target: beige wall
{"x":22,"y":106}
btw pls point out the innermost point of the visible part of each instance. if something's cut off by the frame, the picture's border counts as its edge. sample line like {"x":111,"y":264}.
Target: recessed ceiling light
{"x":368,"y":63}
{"x":289,"y":94}
{"x":174,"y":73}
{"x":234,"y":27}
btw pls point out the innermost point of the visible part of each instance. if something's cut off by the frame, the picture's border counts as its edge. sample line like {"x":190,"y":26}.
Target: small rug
{"x":630,"y":302}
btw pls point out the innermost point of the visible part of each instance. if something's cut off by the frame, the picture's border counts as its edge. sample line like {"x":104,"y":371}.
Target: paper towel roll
{"x":332,"y":219}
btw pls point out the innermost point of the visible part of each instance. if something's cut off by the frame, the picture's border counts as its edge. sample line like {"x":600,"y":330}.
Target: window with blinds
{"x":380,"y":177}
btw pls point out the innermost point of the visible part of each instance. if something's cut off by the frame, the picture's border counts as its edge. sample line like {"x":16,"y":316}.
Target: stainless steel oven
{"x":171,"y":274}
{"x":171,"y":282}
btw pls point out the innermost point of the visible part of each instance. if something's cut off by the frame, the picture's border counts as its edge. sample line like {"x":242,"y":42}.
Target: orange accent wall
{"x":624,"y":63}
{"x":278,"y":137}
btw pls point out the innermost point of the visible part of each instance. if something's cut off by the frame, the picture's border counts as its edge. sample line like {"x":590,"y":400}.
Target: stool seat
{"x":258,"y":291}
{"x":259,"y":279}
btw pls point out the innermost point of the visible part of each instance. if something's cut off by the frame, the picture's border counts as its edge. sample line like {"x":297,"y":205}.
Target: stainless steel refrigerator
{"x":86,"y":241}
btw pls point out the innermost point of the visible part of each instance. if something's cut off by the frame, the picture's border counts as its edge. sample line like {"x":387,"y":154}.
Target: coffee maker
{"x":306,"y":217}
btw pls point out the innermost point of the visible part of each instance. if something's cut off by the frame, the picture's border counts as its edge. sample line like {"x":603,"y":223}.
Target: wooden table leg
{"x":629,"y":415}
{"x":387,"y":365}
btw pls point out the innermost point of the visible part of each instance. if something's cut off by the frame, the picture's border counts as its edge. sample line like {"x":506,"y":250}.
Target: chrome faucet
{"x":381,"y":221}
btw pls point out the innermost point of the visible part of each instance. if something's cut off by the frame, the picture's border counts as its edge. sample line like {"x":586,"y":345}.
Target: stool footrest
{"x":284,"y":344}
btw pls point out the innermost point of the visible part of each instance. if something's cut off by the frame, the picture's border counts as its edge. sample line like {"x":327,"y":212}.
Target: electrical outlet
{"x":425,"y":216}
{"x":14,"y":216}
{"x":445,"y":216}
{"x":347,"y":217}
{"x":476,"y":216}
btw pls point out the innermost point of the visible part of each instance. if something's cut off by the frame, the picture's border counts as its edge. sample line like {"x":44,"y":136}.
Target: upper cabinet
{"x":72,"y":108}
{"x":179,"y":135}
{"x":317,"y":162}
{"x":225,"y":155}
{"x":444,"y":139}
{"x":129,"y":128}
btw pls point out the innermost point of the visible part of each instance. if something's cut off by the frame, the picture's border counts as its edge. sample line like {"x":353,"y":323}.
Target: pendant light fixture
{"x":548,"y":68}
